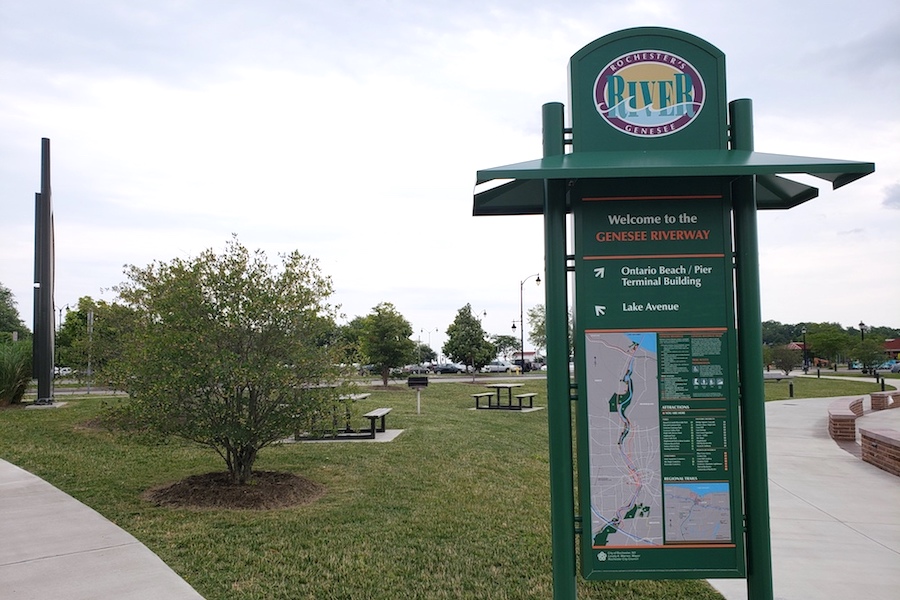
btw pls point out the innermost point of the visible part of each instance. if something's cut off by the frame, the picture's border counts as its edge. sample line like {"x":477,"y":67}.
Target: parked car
{"x":895,"y":368}
{"x":446,"y":368}
{"x":369,"y":370}
{"x":415,"y":369}
{"x":525,"y":365}
{"x":499,"y":366}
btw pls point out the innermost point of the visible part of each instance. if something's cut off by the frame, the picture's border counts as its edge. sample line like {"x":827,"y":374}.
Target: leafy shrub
{"x":15,"y":371}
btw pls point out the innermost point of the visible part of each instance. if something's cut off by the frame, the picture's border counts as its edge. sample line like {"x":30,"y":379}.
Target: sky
{"x":351,"y":131}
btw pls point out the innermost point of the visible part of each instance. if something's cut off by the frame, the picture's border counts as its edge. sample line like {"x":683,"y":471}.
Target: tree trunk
{"x":240,"y":467}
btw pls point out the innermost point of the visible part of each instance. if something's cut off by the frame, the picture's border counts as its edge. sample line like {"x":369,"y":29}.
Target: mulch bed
{"x":266,"y":490}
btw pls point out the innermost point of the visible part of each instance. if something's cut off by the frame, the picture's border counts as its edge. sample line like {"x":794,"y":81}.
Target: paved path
{"x":835,"y":520}
{"x":53,"y":546}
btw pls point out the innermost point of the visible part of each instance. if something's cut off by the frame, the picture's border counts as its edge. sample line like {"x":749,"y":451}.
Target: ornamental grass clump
{"x":15,"y":371}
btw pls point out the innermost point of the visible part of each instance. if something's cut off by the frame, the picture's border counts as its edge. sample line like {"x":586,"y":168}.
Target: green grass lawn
{"x":456,"y":507}
{"x":811,"y":387}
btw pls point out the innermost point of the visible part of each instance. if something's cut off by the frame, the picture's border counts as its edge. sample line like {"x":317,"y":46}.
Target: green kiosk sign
{"x":655,"y":346}
{"x":660,"y":175}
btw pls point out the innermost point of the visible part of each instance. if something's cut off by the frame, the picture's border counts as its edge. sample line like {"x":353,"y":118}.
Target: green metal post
{"x":753,"y":411}
{"x":559,"y":412}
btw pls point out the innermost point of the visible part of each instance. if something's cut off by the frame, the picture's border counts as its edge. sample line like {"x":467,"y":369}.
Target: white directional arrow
{"x":600,"y":272}
{"x":599,"y":310}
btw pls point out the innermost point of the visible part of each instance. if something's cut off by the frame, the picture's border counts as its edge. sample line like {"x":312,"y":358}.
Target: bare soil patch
{"x":267,"y":490}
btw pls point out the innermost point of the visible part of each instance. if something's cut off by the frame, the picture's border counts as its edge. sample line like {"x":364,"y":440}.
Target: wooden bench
{"x":529,"y":396}
{"x":488,"y":396}
{"x":842,"y":415}
{"x":374,"y":416}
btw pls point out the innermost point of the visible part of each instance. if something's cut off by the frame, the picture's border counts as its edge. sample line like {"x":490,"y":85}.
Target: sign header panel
{"x":648,"y":88}
{"x":649,"y":93}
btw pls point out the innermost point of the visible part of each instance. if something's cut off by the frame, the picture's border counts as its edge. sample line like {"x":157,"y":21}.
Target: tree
{"x":466,"y":341}
{"x":82,"y":346}
{"x":880,"y":332}
{"x":767,"y":355}
{"x":10,"y":321}
{"x":504,"y":344}
{"x":869,"y":352}
{"x":827,"y":340}
{"x":350,"y":337}
{"x":228,"y":351}
{"x":537,"y":321}
{"x":777,"y":334}
{"x":424,"y":353}
{"x":786,"y":358}
{"x":385,"y":340}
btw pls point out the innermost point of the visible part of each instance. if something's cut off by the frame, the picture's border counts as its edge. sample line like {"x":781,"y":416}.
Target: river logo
{"x":649,"y":93}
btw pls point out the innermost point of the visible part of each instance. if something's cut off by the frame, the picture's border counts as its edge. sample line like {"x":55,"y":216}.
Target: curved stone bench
{"x":885,"y":400}
{"x":842,"y":415}
{"x":881,"y":447}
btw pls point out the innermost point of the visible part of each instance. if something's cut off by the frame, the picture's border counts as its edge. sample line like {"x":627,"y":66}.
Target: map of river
{"x":633,"y":502}
{"x":624,"y":439}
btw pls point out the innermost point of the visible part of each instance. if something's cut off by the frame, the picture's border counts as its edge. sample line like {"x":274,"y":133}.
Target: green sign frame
{"x":655,"y":347}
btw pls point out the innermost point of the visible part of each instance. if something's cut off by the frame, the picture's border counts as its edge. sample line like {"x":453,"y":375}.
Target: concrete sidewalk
{"x":52,"y":546}
{"x":835,"y":520}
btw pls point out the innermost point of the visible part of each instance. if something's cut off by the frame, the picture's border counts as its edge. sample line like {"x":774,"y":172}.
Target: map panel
{"x":659,"y":461}
{"x":697,"y":512}
{"x":624,"y":443}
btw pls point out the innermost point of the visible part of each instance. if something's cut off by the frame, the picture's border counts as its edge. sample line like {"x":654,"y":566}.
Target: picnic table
{"x":376,"y":419}
{"x":504,"y":386}
{"x":494,"y":398}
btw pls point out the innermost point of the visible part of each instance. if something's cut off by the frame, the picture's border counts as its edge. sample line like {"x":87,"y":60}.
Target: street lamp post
{"x":522,"y":317}
{"x":862,"y":331}
{"x":56,"y":339}
{"x":805,"y":354}
{"x":428,"y":331}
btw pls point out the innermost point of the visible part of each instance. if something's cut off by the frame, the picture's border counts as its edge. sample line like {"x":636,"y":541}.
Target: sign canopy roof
{"x":650,"y":102}
{"x":525,"y":195}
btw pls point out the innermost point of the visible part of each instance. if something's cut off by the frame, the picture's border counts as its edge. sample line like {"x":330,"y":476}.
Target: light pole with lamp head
{"x":805,"y":355}
{"x":522,"y":317}
{"x":427,"y":331}
{"x":56,"y":367}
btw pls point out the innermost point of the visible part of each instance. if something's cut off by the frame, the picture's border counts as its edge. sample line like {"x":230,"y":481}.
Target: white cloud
{"x":892,"y":196}
{"x":352,"y":132}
